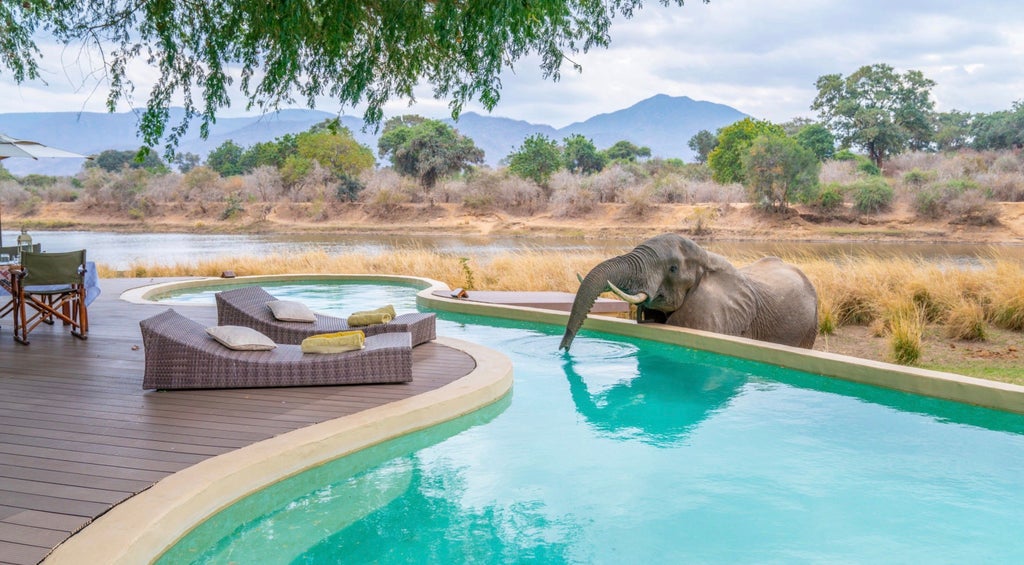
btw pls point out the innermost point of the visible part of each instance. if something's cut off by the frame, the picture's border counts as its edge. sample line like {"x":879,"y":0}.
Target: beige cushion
{"x":241,"y":338}
{"x":291,"y":311}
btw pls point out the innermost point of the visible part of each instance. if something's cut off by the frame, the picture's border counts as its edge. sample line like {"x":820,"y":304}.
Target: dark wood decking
{"x":79,"y":434}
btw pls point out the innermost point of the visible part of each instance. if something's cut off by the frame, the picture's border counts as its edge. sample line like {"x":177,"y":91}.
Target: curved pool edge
{"x":947,"y":386}
{"x":146,"y":293}
{"x":142,"y":527}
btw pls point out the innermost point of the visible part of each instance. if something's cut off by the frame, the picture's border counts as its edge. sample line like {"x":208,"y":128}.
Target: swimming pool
{"x":630,"y":451}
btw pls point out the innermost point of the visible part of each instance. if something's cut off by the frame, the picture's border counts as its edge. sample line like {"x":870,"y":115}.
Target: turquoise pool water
{"x":633,"y":452}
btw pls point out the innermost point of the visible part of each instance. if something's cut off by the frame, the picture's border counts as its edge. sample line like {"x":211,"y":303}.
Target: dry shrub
{"x":1006,"y":163}
{"x":316,"y":185}
{"x":972,"y":208}
{"x":384,"y":203}
{"x":609,"y":183}
{"x":13,"y":195}
{"x":1003,"y":186}
{"x":263,"y":184}
{"x":637,"y":200}
{"x":486,"y":190}
{"x":966,"y":321}
{"x":839,"y":172}
{"x":573,"y":201}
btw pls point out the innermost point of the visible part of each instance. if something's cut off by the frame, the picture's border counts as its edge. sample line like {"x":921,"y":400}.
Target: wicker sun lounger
{"x":247,"y":306}
{"x":180,"y":354}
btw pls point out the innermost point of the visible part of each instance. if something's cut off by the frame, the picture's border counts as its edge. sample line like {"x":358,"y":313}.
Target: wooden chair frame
{"x":50,"y":287}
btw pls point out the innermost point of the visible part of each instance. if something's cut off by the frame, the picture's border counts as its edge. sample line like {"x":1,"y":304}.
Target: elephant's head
{"x":657,"y":275}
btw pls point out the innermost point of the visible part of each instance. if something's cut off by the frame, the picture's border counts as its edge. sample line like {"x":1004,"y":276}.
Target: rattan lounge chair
{"x":247,"y":306}
{"x":181,"y":355}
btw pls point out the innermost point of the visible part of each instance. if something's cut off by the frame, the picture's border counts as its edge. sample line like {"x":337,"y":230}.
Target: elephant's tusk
{"x":579,"y":277}
{"x":637,"y":298}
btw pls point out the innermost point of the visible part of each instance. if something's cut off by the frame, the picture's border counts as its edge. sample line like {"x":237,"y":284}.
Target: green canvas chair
{"x":50,"y":287}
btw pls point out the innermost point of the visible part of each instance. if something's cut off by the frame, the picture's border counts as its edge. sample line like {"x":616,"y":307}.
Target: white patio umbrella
{"x":11,"y":147}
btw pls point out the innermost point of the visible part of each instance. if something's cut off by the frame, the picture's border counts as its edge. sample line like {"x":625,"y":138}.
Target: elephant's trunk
{"x":621,"y":271}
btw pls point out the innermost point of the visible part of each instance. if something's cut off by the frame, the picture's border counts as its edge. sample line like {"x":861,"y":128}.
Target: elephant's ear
{"x":713,"y":262}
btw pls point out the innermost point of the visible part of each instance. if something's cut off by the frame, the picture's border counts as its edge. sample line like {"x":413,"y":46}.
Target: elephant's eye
{"x":673,"y":269}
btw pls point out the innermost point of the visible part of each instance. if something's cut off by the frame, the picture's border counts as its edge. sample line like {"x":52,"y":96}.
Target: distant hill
{"x":663,"y":123}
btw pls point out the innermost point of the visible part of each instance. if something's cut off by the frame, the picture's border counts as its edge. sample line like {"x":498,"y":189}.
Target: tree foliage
{"x":536,"y":159}
{"x":817,"y":139}
{"x":337,"y":151}
{"x":353,"y":52}
{"x":776,"y":168}
{"x":877,"y":109}
{"x":226,"y":159}
{"x":580,"y":155}
{"x":702,"y":143}
{"x":426,"y":149}
{"x":726,"y":160}
{"x":114,"y":161}
{"x":999,"y":130}
{"x":624,"y":150}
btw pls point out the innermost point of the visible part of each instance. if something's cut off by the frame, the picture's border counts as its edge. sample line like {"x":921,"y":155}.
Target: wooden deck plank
{"x":78,"y":434}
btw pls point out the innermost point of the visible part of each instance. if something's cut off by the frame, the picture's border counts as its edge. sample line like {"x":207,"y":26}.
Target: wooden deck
{"x":79,"y":434}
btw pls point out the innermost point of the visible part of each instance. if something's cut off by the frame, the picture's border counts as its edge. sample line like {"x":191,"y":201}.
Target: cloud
{"x":761,"y":58}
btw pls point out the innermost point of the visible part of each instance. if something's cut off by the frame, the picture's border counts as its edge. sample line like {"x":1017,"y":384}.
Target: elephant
{"x":673,"y":280}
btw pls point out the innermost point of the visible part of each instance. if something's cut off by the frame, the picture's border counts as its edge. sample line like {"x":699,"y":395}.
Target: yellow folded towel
{"x":380,"y":315}
{"x":337,"y":342}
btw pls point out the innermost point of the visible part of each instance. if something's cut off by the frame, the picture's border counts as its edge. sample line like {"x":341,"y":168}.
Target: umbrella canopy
{"x":10,"y":147}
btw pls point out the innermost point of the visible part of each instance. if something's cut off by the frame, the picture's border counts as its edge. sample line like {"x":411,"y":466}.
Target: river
{"x":119,"y":250}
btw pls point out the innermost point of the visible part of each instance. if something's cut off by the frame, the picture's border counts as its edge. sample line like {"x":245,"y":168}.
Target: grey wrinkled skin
{"x":769,"y":300}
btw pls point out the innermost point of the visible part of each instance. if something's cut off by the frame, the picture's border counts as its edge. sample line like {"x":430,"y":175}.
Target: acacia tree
{"x":818,"y":140}
{"x":536,"y":159}
{"x":776,"y":167}
{"x":580,"y":155}
{"x":726,"y":160}
{"x":702,"y":143}
{"x":354,"y":52}
{"x":624,"y":150}
{"x":877,"y":109}
{"x":427,"y":150}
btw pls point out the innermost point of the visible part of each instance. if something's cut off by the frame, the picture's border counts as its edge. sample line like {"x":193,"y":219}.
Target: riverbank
{"x":728,"y":222}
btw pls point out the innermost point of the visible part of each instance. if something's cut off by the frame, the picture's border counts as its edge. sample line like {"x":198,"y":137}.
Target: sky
{"x":759,"y":57}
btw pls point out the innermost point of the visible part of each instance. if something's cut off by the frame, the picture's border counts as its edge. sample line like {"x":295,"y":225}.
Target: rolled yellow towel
{"x":337,"y":342}
{"x":380,"y":315}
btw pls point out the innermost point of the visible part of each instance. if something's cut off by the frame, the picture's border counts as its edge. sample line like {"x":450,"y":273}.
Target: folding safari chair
{"x":50,"y":287}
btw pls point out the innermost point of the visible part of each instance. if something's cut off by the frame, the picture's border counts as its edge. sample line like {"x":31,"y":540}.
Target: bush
{"x":928,"y":203}
{"x":573,"y":202}
{"x":384,"y":202}
{"x":918,"y":178}
{"x":905,"y":326}
{"x":871,"y":195}
{"x":868,"y":168}
{"x":830,"y":198}
{"x":966,"y":321}
{"x":637,"y":200}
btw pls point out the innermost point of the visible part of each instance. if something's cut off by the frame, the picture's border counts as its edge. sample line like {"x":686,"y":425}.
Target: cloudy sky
{"x":759,"y":57}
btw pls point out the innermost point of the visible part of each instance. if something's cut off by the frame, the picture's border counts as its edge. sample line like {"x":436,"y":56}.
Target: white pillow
{"x":291,"y":311}
{"x":241,"y":338}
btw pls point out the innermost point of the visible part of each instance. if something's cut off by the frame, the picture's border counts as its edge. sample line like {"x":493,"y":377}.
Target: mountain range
{"x":663,"y":123}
